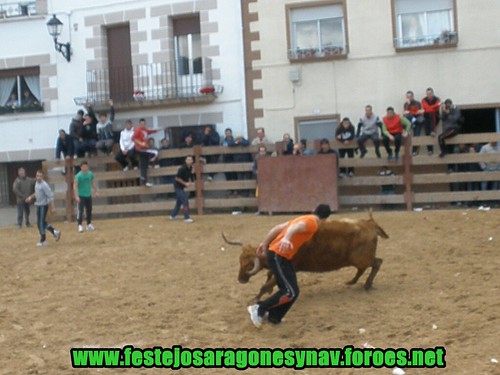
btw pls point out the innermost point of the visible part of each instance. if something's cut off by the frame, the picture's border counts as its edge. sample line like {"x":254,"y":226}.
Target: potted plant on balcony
{"x":139,"y":96}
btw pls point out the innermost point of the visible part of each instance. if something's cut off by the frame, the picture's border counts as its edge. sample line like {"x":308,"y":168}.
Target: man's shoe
{"x":442,"y":154}
{"x":90,"y":227}
{"x":57,"y":234}
{"x":363,"y":153}
{"x":148,"y":184}
{"x":351,"y":174}
{"x":42,"y":244}
{"x":188,"y":220}
{"x":125,"y":169}
{"x":80,"y":228}
{"x":28,"y":225}
{"x":253,"y":310}
{"x":172,"y":217}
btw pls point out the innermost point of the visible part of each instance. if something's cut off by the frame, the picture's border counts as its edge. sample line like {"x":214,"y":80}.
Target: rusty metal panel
{"x":297,"y":183}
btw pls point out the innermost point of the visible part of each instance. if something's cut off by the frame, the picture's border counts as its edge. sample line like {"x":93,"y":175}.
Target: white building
{"x":314,"y":62}
{"x":185,"y":56}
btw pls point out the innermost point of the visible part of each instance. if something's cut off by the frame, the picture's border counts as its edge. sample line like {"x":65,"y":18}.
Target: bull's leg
{"x":266,"y":288}
{"x":377,"y":262}
{"x":356,"y":278}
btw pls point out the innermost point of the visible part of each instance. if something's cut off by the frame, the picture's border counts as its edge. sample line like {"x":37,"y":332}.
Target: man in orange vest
{"x":280,"y":245}
{"x":394,"y":128}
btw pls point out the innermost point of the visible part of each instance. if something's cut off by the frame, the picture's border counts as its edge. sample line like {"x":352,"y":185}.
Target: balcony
{"x":17,"y":9}
{"x":323,"y":53}
{"x":152,"y":85}
{"x":445,"y":39}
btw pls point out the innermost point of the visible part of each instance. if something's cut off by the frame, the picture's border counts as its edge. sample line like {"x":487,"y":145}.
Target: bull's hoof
{"x":351,"y":282}
{"x":368,"y":286}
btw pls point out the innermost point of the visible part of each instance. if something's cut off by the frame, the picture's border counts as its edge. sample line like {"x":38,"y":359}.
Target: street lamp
{"x":54,"y":25}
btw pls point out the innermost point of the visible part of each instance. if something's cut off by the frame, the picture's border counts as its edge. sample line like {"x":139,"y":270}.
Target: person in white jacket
{"x":126,"y":154}
{"x":491,"y":166}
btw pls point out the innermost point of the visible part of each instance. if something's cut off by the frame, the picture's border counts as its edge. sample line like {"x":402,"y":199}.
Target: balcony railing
{"x":152,"y":83}
{"x":316,"y":53}
{"x":17,"y":9}
{"x":443,"y":39}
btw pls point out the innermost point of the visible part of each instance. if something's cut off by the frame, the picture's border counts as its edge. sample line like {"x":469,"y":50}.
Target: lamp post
{"x":54,"y":25}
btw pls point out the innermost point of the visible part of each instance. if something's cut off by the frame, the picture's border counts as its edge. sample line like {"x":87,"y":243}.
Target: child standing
{"x":82,"y":187}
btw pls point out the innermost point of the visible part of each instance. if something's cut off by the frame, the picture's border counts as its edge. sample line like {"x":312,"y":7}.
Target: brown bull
{"x":336,"y":244}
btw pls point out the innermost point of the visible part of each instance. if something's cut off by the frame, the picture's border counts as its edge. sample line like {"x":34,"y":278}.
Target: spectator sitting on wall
{"x":414,"y":113}
{"x":152,"y":146}
{"x":105,"y":130}
{"x":64,"y":146}
{"x":126,"y":154}
{"x":146,"y":155}
{"x":369,"y":127}
{"x":345,"y":134}
{"x":75,"y":131}
{"x":430,"y":104}
{"x":394,"y":128}
{"x":287,"y":144}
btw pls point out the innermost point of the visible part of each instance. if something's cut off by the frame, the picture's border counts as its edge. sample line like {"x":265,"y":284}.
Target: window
{"x":424,"y":23}
{"x":187,"y":40}
{"x":314,"y":129}
{"x":317,"y":32}
{"x":20,"y":90}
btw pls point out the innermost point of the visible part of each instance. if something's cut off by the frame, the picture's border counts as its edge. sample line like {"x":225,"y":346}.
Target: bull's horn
{"x":231,"y":242}
{"x":256,"y":267}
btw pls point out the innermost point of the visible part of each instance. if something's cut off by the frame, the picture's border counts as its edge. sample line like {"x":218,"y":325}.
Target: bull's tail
{"x":380,"y":232}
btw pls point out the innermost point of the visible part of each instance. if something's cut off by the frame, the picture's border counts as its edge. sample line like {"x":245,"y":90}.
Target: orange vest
{"x":311,"y":222}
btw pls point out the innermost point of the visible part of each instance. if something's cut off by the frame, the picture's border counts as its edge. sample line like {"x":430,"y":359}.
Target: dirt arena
{"x":151,"y":282}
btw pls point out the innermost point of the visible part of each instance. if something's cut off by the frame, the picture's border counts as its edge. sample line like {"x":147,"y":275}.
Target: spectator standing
{"x":491,"y":166}
{"x":75,"y":131}
{"x":261,"y":137}
{"x":126,"y":154}
{"x":82,"y":187}
{"x":287,"y":144}
{"x":140,"y":139}
{"x":452,"y":122}
{"x":228,"y":141}
{"x":394,"y":128}
{"x":369,"y":127}
{"x":105,"y":130}
{"x":210,"y":137}
{"x":43,"y":199}
{"x":23,"y":187}
{"x":431,"y":105}
{"x":88,"y":134}
{"x":183,"y":179}
{"x":304,"y":149}
{"x":243,"y":157}
{"x":345,"y":135}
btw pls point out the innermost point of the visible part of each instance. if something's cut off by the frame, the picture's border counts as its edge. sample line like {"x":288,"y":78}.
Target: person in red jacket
{"x":146,"y":154}
{"x":431,"y":105}
{"x":394,"y":128}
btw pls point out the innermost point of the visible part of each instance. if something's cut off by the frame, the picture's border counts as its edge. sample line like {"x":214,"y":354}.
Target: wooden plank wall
{"x":417,"y":180}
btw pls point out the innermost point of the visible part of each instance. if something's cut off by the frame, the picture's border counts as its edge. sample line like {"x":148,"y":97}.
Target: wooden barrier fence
{"x":417,"y":180}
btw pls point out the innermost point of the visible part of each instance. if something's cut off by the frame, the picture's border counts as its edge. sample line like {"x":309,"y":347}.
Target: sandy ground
{"x":151,"y":282}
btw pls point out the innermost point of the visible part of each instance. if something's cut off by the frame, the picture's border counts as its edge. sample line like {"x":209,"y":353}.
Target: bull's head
{"x":250,"y":264}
